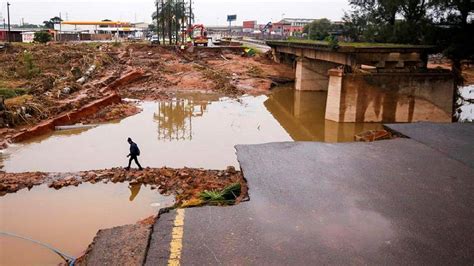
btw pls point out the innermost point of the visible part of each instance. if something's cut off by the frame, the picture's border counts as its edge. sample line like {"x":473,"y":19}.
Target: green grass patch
{"x":11,"y":93}
{"x":227,"y":195}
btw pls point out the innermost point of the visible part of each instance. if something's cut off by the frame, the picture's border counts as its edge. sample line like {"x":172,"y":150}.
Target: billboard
{"x":252,"y":24}
{"x":231,"y":18}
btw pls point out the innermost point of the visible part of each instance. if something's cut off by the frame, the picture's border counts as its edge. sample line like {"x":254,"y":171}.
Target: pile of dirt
{"x":12,"y":182}
{"x":185,"y":183}
{"x":224,"y":71}
{"x":39,"y":82}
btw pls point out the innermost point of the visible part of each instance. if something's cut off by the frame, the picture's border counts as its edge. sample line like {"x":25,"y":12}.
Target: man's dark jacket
{"x":134,"y":151}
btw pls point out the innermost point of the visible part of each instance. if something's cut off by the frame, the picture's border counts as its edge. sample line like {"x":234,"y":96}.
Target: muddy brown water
{"x":69,"y":218}
{"x":194,"y":130}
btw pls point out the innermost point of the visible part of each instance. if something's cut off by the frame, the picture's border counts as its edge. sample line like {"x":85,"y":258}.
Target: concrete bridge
{"x":368,"y":83}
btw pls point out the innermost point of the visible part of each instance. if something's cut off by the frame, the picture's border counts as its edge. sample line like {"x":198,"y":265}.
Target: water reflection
{"x":174,"y":119}
{"x":302,"y":115}
{"x":134,"y":190}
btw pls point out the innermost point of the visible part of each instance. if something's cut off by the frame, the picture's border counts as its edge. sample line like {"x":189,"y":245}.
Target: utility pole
{"x":8,"y":15}
{"x":190,"y":13}
{"x":163,"y":21}
{"x":60,"y":25}
{"x":157,"y":20}
{"x":183,"y":21}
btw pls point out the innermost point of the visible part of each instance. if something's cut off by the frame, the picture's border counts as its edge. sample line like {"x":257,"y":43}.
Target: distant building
{"x":143,"y":26}
{"x":249,"y":26}
{"x":28,"y":36}
{"x":290,"y":26}
{"x":16,"y":35}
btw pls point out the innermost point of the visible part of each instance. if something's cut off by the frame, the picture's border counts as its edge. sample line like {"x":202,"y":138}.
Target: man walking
{"x":134,"y":153}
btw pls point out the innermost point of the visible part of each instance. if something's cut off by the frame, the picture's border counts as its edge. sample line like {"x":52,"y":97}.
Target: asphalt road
{"x":388,"y":202}
{"x":455,"y":140}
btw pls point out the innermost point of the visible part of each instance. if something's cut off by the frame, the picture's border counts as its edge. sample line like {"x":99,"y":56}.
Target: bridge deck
{"x":354,"y":47}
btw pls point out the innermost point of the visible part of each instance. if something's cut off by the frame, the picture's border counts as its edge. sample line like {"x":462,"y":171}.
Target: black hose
{"x":69,"y":259}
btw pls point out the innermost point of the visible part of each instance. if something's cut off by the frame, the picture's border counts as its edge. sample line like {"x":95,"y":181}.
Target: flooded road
{"x":193,"y":130}
{"x":68,"y":219}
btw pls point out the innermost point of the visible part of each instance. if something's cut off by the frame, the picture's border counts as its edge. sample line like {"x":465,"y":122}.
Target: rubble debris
{"x":373,"y":135}
{"x":12,"y":182}
{"x":87,"y":75}
{"x":185,"y":183}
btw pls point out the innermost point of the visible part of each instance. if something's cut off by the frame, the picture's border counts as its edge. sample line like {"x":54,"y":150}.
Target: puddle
{"x":193,"y":130}
{"x":68,"y":219}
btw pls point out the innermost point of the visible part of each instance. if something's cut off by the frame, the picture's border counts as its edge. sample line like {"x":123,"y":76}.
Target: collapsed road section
{"x":387,"y":202}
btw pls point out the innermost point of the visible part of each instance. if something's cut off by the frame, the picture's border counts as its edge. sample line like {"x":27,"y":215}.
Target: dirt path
{"x":185,"y":183}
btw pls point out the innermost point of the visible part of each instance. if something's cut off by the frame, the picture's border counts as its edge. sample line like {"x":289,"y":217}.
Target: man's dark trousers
{"x":134,"y":157}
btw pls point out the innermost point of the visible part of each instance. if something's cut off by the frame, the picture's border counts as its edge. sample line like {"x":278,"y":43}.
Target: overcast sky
{"x":209,"y":12}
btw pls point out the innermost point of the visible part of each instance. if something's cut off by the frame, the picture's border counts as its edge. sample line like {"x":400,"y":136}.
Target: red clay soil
{"x":55,"y":97}
{"x":185,"y":183}
{"x":467,"y":69}
{"x":203,"y":70}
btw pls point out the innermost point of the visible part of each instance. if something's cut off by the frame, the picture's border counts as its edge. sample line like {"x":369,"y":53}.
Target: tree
{"x":42,"y":37}
{"x":171,"y":15}
{"x":318,"y":29}
{"x":377,"y":20}
{"x":49,"y":24}
{"x":28,"y":26}
{"x":443,"y":23}
{"x":452,"y":31}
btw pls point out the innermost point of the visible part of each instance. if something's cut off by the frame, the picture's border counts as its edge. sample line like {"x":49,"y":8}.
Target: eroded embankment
{"x":61,"y":84}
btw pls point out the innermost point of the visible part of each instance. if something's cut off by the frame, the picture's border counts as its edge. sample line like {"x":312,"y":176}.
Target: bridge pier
{"x":312,"y":75}
{"x":373,"y":83}
{"x":389,"y":97}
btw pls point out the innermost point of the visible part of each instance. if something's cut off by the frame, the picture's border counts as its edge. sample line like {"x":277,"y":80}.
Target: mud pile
{"x":222,"y":70}
{"x":41,"y":82}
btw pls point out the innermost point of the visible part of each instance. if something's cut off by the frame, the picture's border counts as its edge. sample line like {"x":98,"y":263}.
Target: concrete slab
{"x":388,"y":202}
{"x":455,"y":140}
{"x":121,"y":245}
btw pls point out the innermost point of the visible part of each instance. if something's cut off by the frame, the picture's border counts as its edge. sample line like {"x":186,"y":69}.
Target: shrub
{"x":332,"y":42}
{"x":42,"y":37}
{"x":30,"y":70}
{"x":10,"y":93}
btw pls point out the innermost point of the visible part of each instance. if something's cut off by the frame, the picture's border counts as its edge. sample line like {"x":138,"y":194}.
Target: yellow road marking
{"x":176,"y":244}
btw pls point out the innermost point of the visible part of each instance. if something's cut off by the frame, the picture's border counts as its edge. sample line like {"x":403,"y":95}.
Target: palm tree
{"x":170,"y":16}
